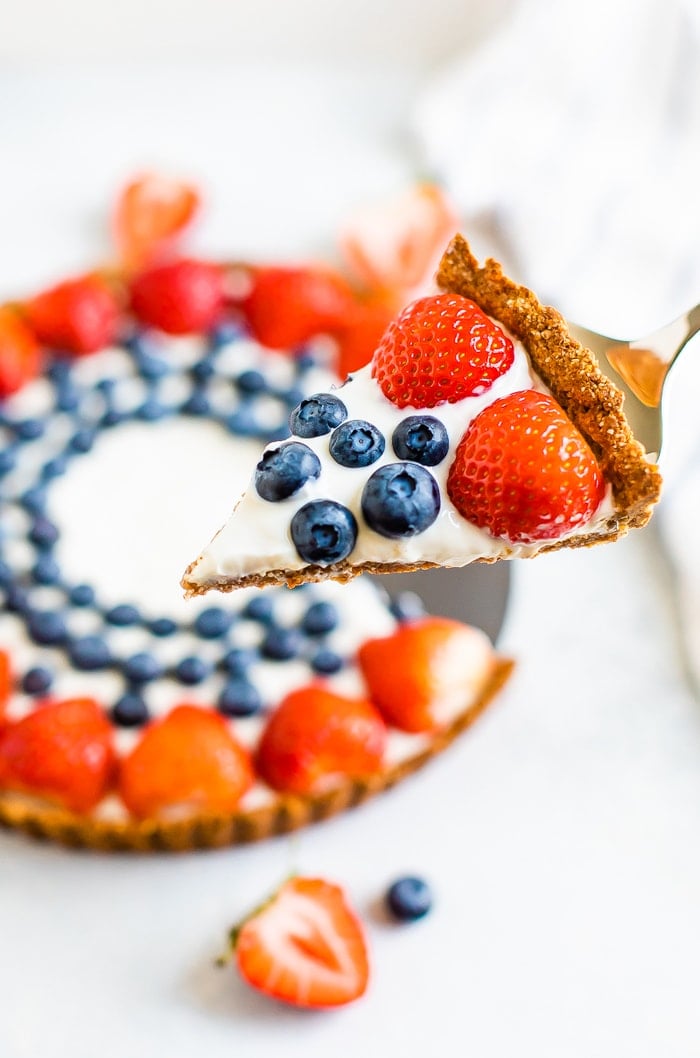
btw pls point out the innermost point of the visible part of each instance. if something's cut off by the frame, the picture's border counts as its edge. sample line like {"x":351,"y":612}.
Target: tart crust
{"x":284,"y":814}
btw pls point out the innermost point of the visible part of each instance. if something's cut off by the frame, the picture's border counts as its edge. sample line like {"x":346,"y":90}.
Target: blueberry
{"x":67,"y":398}
{"x":281,"y":644}
{"x":237,"y":661}
{"x":321,"y":617}
{"x":43,"y":533}
{"x":326,"y":662}
{"x":89,"y":653}
{"x":251,"y":382}
{"x":47,"y":628}
{"x":162,"y":626}
{"x":16,"y":599}
{"x":82,"y":441}
{"x":203,"y":370}
{"x":6,"y":575}
{"x":82,"y":595}
{"x":224,"y":332}
{"x":400,"y":499}
{"x":129,"y":711}
{"x":239,"y":698}
{"x":29,"y":429}
{"x":123,"y":615}
{"x":409,"y":899}
{"x":37,"y":681}
{"x":356,"y":443}
{"x":46,"y":570}
{"x":243,"y":422}
{"x":421,"y":438}
{"x":260,"y":608}
{"x":407,"y":606}
{"x":141,"y":668}
{"x":317,"y":415}
{"x":7,"y":461}
{"x":196,"y":404}
{"x":323,"y":532}
{"x":112,"y":417}
{"x":151,"y":410}
{"x":54,"y":468}
{"x":192,"y":670}
{"x":152,"y":367}
{"x":59,"y":371}
{"x":283,"y":471}
{"x":34,"y":500}
{"x":212,"y":623}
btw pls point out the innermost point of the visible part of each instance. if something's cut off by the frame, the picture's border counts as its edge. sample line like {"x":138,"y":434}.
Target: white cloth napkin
{"x":570,"y":142}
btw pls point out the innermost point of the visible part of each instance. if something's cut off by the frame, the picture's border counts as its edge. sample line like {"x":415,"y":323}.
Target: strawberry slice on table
{"x":20,"y":355}
{"x":180,"y":297}
{"x":305,"y":946}
{"x":187,"y":760}
{"x":150,"y":213}
{"x":287,"y":306}
{"x":439,"y":350}
{"x":63,"y":751}
{"x":523,"y":471}
{"x":78,"y":316}
{"x":426,"y":672}
{"x":315,"y":736}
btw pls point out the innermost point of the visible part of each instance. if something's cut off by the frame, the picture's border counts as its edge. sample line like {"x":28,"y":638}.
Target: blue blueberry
{"x":260,"y":608}
{"x":192,"y":670}
{"x":34,"y":500}
{"x":251,"y":382}
{"x":317,"y":415}
{"x":46,"y":570}
{"x":59,"y":371}
{"x":82,"y":441}
{"x":422,"y":439}
{"x":280,"y":432}
{"x":212,"y":623}
{"x":82,"y":595}
{"x":29,"y":429}
{"x":281,"y":644}
{"x":7,"y":461}
{"x":400,"y":500}
{"x":223,"y":333}
{"x":243,"y":421}
{"x":162,"y":626}
{"x":305,"y":360}
{"x":356,"y":443}
{"x":37,"y":680}
{"x":89,"y":653}
{"x":152,"y":367}
{"x":283,"y":471}
{"x":151,"y":410}
{"x":129,"y":711}
{"x":203,"y":370}
{"x":323,"y":532}
{"x":238,"y":661}
{"x":123,"y":615}
{"x":141,"y":668}
{"x":113,"y":417}
{"x":326,"y":662}
{"x":407,"y":606}
{"x":196,"y":404}
{"x":67,"y":398}
{"x":239,"y":698}
{"x":6,"y":575}
{"x":320,"y":618}
{"x":46,"y":627}
{"x":16,"y":599}
{"x":54,"y":468}
{"x":409,"y":899}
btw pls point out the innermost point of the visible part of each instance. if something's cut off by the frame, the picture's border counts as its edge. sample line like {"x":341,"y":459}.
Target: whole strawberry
{"x":78,"y":316}
{"x":439,"y":350}
{"x":149,"y":215}
{"x":180,"y":297}
{"x":288,"y":306}
{"x":20,"y":355}
{"x":523,"y":471}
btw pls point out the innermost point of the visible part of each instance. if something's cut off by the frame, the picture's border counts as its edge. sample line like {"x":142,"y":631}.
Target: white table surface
{"x":560,"y":835}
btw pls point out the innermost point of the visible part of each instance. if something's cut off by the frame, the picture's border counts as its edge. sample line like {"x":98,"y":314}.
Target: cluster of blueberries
{"x":400,"y":499}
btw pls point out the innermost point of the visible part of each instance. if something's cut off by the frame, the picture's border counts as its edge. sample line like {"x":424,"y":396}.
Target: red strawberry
{"x":189,"y":759}
{"x":180,"y":297}
{"x":150,"y":212}
{"x":305,"y":946}
{"x":439,"y":350}
{"x":362,"y":332}
{"x":315,"y":736}
{"x":77,"y":316}
{"x":6,"y":683}
{"x":524,"y":472}
{"x":62,"y":751}
{"x":426,"y":672}
{"x":20,"y":356}
{"x":287,"y":306}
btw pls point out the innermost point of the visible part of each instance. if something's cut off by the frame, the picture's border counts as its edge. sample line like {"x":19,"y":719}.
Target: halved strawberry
{"x":20,"y":356}
{"x":6,"y":683}
{"x":426,"y":672}
{"x":362,"y":331}
{"x":151,"y":211}
{"x":304,"y":946}
{"x":287,"y":306}
{"x":316,"y":736}
{"x":189,"y":760}
{"x":78,"y":316}
{"x":63,"y":751}
{"x":180,"y":297}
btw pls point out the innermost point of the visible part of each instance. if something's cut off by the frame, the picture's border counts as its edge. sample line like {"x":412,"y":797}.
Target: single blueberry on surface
{"x":152,"y":367}
{"x":6,"y":575}
{"x":323,"y":532}
{"x":239,"y":698}
{"x":82,"y":595}
{"x":16,"y":599}
{"x":29,"y":429}
{"x":37,"y":680}
{"x":7,"y":461}
{"x":212,"y":623}
{"x":123,"y":615}
{"x":67,"y":398}
{"x":317,"y":415}
{"x":421,"y":438}
{"x":54,"y":468}
{"x":82,"y":440}
{"x":400,"y":500}
{"x":283,"y":471}
{"x":46,"y":570}
{"x":142,"y":667}
{"x":129,"y":711}
{"x":223,"y":332}
{"x":46,"y":628}
{"x":326,"y":662}
{"x":162,"y":626}
{"x":151,"y":410}
{"x":34,"y":500}
{"x":281,"y":644}
{"x":196,"y":404}
{"x":43,"y":533}
{"x":237,"y":661}
{"x":251,"y":382}
{"x":243,"y":421}
{"x":192,"y":670}
{"x":260,"y":608}
{"x":320,"y":618}
{"x":356,"y":443}
{"x":89,"y":653}
{"x":409,"y":899}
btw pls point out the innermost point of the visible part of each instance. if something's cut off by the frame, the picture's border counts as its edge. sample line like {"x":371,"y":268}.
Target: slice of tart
{"x":481,"y":430}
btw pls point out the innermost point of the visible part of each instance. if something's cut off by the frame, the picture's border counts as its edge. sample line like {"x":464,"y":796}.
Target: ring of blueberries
{"x":45,"y":446}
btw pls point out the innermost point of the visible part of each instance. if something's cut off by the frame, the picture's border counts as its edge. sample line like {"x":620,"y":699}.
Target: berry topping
{"x":62,"y":751}
{"x":317,"y":415}
{"x":426,"y":672}
{"x":283,"y":471}
{"x":400,"y":499}
{"x":36,"y":681}
{"x":360,"y":336}
{"x":5,"y":681}
{"x":142,"y":668}
{"x":181,"y":297}
{"x":281,"y":644}
{"x":239,"y":698}
{"x":409,"y":899}
{"x":19,"y":352}
{"x":122,"y":615}
{"x":192,"y":670}
{"x":439,"y":350}
{"x":150,"y":212}
{"x":304,"y":946}
{"x":323,"y":532}
{"x":421,"y":438}
{"x":320,"y":618}
{"x":356,"y":443}
{"x":130,"y":711}
{"x":326,"y":662}
{"x":187,"y":760}
{"x":89,"y":653}
{"x":212,"y":623}
{"x":315,"y":737}
{"x":523,"y":472}
{"x":78,"y":316}
{"x":288,"y":306}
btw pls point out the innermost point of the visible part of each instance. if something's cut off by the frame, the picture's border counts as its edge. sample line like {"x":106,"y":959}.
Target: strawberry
{"x":287,"y":306}
{"x":20,"y":356}
{"x":150,"y":213}
{"x":180,"y":297}
{"x":63,"y":751}
{"x":6,"y":683}
{"x":426,"y":672}
{"x":315,"y":736}
{"x":78,"y":316}
{"x":188,"y":759}
{"x":304,"y":946}
{"x":360,"y":335}
{"x":524,"y":472}
{"x":440,"y":349}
